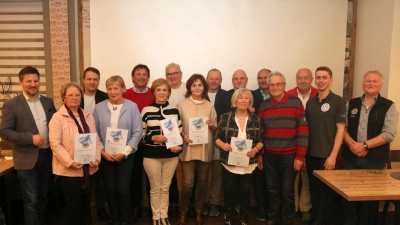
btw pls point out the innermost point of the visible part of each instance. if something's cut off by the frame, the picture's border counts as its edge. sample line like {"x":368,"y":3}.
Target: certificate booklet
{"x":198,"y":130}
{"x":115,"y":140}
{"x":171,"y":132}
{"x":240,"y":147}
{"x":85,"y":148}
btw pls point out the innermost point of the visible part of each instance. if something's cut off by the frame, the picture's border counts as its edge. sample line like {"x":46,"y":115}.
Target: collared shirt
{"x":39,"y":115}
{"x":264,"y":95}
{"x":305,"y":99}
{"x":389,"y":127}
{"x":137,"y":90}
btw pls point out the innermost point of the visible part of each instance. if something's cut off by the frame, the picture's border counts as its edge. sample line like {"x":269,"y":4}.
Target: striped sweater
{"x":151,"y":116}
{"x":285,"y":126}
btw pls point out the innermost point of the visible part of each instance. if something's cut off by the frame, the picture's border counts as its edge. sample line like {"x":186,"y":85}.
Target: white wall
{"x":378,"y":47}
{"x":223,"y":34}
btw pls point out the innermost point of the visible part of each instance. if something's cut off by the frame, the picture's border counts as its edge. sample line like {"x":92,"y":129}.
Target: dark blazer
{"x":223,"y":103}
{"x":18,"y":126}
{"x":257,"y":99}
{"x":98,"y":97}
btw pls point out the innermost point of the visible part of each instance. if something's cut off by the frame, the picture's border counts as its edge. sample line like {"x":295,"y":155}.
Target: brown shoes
{"x":182,"y":218}
{"x":199,"y":217}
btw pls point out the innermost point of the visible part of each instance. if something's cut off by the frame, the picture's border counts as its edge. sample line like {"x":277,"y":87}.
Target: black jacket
{"x":98,"y":97}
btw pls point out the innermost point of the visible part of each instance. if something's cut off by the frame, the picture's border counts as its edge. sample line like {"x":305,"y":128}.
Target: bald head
{"x":304,"y":79}
{"x":239,"y":79}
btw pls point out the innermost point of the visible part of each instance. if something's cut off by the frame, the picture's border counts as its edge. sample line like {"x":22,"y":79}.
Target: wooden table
{"x":360,"y":185}
{"x":5,"y":167}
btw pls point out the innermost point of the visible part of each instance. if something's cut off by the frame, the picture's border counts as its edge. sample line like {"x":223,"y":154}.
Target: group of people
{"x":293,"y":133}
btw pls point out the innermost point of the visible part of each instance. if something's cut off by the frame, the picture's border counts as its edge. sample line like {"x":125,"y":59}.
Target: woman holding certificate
{"x":119,"y":126}
{"x":199,"y":122}
{"x":239,"y":136}
{"x":76,"y":153}
{"x":159,"y":160}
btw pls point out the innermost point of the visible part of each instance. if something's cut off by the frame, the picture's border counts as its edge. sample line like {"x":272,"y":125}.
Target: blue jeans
{"x":280,"y":177}
{"x":34,"y":186}
{"x":367,"y":210}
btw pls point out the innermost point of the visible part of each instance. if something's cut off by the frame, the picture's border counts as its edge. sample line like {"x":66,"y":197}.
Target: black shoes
{"x":103,"y":215}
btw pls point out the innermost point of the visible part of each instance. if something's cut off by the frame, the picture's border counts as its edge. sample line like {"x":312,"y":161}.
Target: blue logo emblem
{"x":240,"y":145}
{"x":116,"y":135}
{"x":85,"y":141}
{"x":169,"y":125}
{"x":198,"y":124}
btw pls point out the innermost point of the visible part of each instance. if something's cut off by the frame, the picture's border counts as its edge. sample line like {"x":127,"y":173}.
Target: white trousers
{"x":160,"y":172}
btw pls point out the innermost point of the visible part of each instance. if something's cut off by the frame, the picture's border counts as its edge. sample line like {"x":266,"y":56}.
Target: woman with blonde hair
{"x":118,"y":113}
{"x":159,"y":161}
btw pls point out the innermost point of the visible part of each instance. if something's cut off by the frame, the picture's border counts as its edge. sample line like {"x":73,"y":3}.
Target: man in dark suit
{"x":259,"y":181}
{"x":92,"y":95}
{"x":25,"y":123}
{"x":214,"y":80}
{"x":261,"y":92}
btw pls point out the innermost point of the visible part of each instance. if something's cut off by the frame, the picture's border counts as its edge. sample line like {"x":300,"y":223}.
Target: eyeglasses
{"x":74,"y":96}
{"x":374,"y":171}
{"x":173,"y":74}
{"x":278,"y":85}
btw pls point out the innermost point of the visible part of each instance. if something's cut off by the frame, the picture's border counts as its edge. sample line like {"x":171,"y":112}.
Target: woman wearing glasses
{"x":118,"y":114}
{"x":195,"y":156}
{"x":74,"y":176}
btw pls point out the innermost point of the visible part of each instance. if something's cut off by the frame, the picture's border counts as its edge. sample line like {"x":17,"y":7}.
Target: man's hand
{"x":260,"y":162}
{"x":297,"y":165}
{"x":330,"y":163}
{"x":210,"y":124}
{"x":38,"y":140}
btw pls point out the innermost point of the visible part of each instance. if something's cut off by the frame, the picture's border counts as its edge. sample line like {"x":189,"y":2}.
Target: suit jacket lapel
{"x":46,"y":108}
{"x":28,"y":111}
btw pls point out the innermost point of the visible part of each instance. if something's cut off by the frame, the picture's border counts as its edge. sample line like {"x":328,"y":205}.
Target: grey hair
{"x":239,"y":92}
{"x":374,"y":71}
{"x":173,"y":65}
{"x":276,"y":73}
{"x":65,"y":87}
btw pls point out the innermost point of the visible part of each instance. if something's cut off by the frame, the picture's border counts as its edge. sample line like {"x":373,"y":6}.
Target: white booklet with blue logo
{"x":116,"y":140}
{"x":85,"y":148}
{"x":238,"y":155}
{"x":198,"y":130}
{"x":170,"y":130}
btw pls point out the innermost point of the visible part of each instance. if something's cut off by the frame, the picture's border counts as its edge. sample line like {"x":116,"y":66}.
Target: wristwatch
{"x":365,"y":145}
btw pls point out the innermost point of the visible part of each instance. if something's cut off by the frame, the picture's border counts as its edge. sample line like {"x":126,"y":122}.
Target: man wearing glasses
{"x":371,"y":126}
{"x":173,"y":73}
{"x":326,"y":120}
{"x":285,"y":140}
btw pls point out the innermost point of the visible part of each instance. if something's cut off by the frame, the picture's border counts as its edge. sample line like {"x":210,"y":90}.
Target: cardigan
{"x":227,"y":128}
{"x":129,"y":119}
